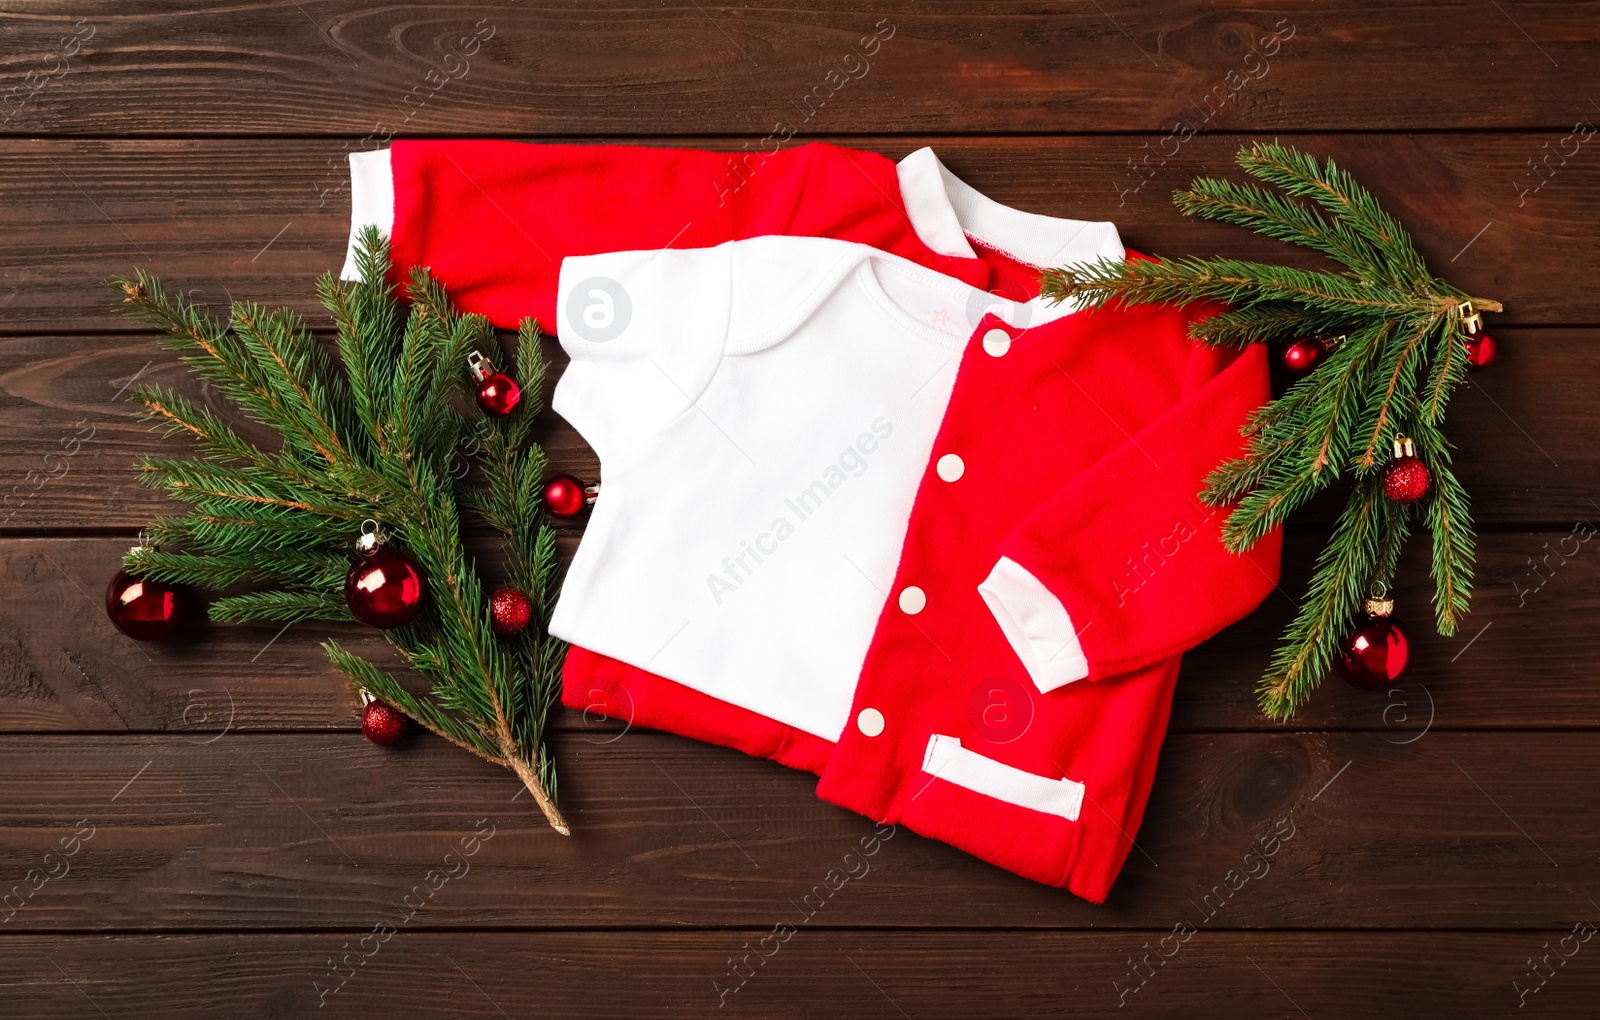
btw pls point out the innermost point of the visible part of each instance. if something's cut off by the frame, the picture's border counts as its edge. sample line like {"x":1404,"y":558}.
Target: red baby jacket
{"x":1092,"y":433}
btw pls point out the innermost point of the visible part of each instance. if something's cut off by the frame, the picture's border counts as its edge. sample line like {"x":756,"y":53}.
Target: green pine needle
{"x":373,"y":434}
{"x":1400,"y":353}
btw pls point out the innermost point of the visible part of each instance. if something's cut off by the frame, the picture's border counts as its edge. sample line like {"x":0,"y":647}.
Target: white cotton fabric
{"x":763,"y":422}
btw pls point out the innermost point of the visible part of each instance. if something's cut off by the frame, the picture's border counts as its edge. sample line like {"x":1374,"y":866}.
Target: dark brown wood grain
{"x":622,"y":67}
{"x":1524,"y":451}
{"x":1449,"y":831}
{"x":245,"y":838}
{"x":828,"y":975}
{"x":261,"y":219}
{"x":64,"y":668}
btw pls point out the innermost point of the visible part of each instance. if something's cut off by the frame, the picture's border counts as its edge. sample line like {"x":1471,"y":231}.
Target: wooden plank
{"x":72,"y":436}
{"x":1505,"y":667}
{"x":63,"y":666}
{"x":804,"y":974}
{"x":1521,"y":430}
{"x":260,"y":219}
{"x":1451,"y":831}
{"x":454,"y":68}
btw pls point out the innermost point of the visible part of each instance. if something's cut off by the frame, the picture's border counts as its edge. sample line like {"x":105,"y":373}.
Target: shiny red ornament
{"x":1480,"y":351}
{"x":1375,"y":653}
{"x":1302,"y":356}
{"x":382,"y":723}
{"x":509,"y":612}
{"x":143,"y":610}
{"x":385,"y":589}
{"x":565,"y":496}
{"x":498,"y":394}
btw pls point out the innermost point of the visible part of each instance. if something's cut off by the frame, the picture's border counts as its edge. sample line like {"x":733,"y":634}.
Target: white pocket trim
{"x":946,"y":759}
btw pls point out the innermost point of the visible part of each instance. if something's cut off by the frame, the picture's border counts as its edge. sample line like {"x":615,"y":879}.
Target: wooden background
{"x":236,"y":838}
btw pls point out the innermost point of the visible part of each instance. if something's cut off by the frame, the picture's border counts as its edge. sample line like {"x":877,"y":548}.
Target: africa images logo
{"x":599,"y":309}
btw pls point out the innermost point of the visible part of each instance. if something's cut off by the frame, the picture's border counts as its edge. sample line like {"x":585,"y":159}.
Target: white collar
{"x":945,"y":211}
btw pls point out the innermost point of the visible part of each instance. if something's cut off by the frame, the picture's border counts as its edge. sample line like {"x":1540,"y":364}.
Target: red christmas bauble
{"x":382,"y":723}
{"x":385,"y":589}
{"x":564,"y":496}
{"x":509,"y":612}
{"x":143,"y":610}
{"x":1302,"y":356}
{"x":498,"y":394}
{"x":1480,"y":351}
{"x":1374,"y":654}
{"x":1405,"y":480}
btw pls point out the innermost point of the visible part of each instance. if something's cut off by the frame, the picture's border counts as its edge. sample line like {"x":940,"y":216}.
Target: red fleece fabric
{"x":530,"y":206}
{"x":1099,"y":432}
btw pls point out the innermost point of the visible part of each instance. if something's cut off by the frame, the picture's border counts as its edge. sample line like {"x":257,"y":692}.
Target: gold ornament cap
{"x":1378,"y":603}
{"x":1404,"y":447}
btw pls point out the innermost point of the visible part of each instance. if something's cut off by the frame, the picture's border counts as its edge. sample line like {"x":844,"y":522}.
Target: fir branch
{"x":1344,"y":569}
{"x":1308,"y":461}
{"x":1448,"y":514}
{"x":530,"y":377}
{"x":252,"y":529}
{"x":1300,"y":174}
{"x":223,"y":570}
{"x":1396,"y":372}
{"x":1241,"y":327}
{"x":1402,"y":358}
{"x":297,"y":373}
{"x":175,"y":415}
{"x":355,"y":353}
{"x":282,"y":606}
{"x":194,"y":481}
{"x":219,"y":356}
{"x":407,"y":400}
{"x":1249,"y":205}
{"x":370,"y":442}
{"x":1186,"y":280}
{"x":368,"y":677}
{"x":1448,"y":370}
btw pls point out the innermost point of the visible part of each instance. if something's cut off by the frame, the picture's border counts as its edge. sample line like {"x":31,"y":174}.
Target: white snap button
{"x":870,"y":722}
{"x":996,"y":342}
{"x":912,"y":600}
{"x":950,"y":467}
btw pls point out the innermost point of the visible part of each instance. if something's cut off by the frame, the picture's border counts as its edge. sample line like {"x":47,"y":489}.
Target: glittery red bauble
{"x":381,"y":723}
{"x":564,"y":496}
{"x":143,"y":610}
{"x":509,"y":612}
{"x":1302,"y":356}
{"x":499,"y":394}
{"x":1374,"y":654}
{"x":1480,"y":351}
{"x":1405,"y":480}
{"x":385,"y":589}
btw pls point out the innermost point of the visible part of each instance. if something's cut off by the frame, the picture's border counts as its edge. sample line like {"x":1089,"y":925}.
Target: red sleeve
{"x":494,"y":219}
{"x":1124,"y":566}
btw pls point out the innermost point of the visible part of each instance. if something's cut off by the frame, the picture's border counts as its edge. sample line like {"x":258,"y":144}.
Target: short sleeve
{"x":645,"y":331}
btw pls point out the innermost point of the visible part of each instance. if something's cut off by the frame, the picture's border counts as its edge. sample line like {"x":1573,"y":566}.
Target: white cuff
{"x":1036,"y":624}
{"x":371,"y":202}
